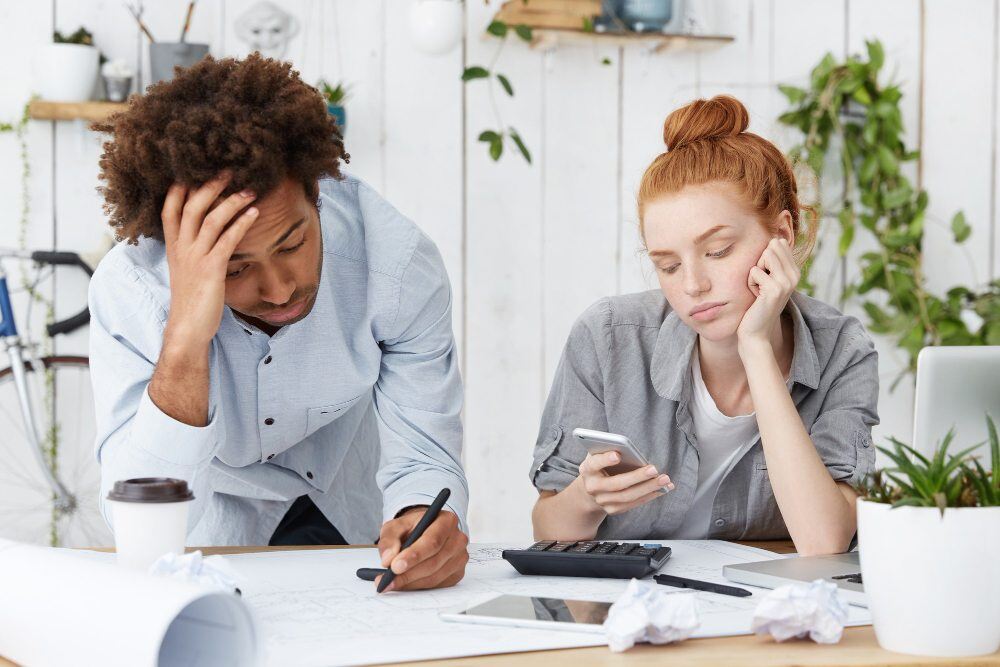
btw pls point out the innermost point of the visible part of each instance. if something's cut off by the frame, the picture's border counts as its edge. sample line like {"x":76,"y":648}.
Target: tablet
{"x":536,"y":612}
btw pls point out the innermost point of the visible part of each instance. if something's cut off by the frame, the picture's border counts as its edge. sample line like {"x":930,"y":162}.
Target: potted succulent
{"x":335,"y":97}
{"x":66,"y":69}
{"x":929,"y":541}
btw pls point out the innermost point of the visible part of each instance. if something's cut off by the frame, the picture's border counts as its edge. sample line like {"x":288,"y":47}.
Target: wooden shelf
{"x":89,"y":111}
{"x":550,"y":38}
{"x":561,"y":22}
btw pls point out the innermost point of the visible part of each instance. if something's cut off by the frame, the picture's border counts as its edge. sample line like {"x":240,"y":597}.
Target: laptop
{"x":956,"y":388}
{"x":841,"y":569}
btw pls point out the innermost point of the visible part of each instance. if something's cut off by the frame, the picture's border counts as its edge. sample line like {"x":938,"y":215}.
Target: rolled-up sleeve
{"x":842,"y":433}
{"x":418,"y":395}
{"x":576,"y":400}
{"x":134,"y":437}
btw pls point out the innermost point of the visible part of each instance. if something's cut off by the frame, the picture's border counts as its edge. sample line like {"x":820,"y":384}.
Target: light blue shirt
{"x":364,"y":393}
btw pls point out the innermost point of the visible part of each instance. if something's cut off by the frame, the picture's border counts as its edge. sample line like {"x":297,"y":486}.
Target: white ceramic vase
{"x":932,"y":581}
{"x":66,"y":72}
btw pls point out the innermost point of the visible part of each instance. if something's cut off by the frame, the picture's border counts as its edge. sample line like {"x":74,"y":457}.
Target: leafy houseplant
{"x":80,"y":36}
{"x":335,"y":97}
{"x":495,"y":137}
{"x":847,"y":112}
{"x":609,"y":19}
{"x":929,"y":537}
{"x":941,"y":481}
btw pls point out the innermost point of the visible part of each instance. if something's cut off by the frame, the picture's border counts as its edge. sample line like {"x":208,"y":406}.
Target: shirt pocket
{"x":317,"y":418}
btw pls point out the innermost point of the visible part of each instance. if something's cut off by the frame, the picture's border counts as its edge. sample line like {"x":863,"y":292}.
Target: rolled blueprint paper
{"x":62,"y":608}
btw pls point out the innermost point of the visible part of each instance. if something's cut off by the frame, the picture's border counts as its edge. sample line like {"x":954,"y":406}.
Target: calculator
{"x":611,"y":560}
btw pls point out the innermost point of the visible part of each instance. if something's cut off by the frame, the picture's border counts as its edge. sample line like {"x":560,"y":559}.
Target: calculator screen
{"x":542,"y":609}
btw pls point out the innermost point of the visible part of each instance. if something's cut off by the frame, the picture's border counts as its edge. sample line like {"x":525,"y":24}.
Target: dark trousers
{"x":302,"y":524}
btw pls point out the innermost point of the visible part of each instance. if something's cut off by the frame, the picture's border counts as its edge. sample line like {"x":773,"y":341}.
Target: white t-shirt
{"x":722,"y":442}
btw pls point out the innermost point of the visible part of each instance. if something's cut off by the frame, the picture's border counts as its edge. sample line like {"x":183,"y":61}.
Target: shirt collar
{"x":670,"y":367}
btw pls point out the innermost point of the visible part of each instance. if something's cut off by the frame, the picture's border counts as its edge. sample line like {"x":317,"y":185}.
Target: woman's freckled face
{"x":703,"y":241}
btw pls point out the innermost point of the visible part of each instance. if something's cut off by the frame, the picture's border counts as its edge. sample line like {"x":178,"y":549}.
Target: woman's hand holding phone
{"x":615,"y":494}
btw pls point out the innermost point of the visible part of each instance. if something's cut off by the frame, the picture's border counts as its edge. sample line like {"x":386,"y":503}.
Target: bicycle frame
{"x":63,"y":500}
{"x":8,"y":327}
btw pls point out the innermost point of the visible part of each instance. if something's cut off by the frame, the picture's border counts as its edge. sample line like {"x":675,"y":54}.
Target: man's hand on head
{"x":436,"y":560}
{"x":200,"y":240}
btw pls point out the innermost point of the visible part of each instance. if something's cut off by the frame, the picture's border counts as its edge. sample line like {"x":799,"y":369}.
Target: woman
{"x":752,"y":402}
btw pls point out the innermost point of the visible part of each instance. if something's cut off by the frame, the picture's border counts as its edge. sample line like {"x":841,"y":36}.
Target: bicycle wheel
{"x":27,"y":511}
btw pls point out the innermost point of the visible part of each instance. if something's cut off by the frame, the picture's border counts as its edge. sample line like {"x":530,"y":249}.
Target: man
{"x":272,"y":331}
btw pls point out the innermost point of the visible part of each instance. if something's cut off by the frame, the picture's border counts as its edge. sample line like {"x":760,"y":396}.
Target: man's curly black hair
{"x":254,"y":117}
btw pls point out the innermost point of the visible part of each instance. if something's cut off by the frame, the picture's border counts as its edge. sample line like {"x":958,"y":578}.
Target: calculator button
{"x":560,"y":546}
{"x":582,"y":547}
{"x":661,"y":556}
{"x":622,"y":549}
{"x":604,"y":547}
{"x":643,"y":552}
{"x":540,"y":546}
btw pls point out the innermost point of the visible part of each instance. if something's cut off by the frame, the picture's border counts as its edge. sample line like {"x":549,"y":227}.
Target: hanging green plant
{"x":847,"y":110}
{"x":52,"y":434}
{"x":495,"y":138}
{"x":19,"y":128}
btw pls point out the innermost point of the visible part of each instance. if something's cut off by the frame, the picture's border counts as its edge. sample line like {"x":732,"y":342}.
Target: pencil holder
{"x":165,"y":56}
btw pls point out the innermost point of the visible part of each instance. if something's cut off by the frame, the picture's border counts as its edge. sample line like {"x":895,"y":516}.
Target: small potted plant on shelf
{"x":66,"y":69}
{"x":335,"y":97}
{"x":929,"y":541}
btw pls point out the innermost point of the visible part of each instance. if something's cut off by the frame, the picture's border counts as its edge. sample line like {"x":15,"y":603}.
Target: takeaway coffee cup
{"x":150,"y":517}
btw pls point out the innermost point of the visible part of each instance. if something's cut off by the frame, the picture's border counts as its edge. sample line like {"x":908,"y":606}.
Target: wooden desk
{"x":857,"y":647}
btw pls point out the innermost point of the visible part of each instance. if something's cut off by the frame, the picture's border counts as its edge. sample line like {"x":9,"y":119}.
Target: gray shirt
{"x":357,"y":405}
{"x":626,"y":369}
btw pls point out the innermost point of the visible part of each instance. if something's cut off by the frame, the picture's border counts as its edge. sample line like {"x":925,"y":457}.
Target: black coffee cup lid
{"x":151,"y":490}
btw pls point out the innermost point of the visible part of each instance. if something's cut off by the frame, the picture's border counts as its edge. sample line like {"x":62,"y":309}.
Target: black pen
{"x":426,"y":520}
{"x":708,"y":586}
{"x":370,"y":573}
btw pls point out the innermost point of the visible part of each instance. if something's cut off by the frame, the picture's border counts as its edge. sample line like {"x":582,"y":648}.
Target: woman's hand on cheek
{"x":772,"y":280}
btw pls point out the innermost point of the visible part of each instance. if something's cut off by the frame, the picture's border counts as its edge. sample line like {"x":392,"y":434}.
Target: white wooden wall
{"x":529,"y":247}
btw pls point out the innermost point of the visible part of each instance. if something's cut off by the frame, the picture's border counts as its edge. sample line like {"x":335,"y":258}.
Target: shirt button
{"x":268,"y":360}
{"x":268,"y":421}
{"x":249,"y":333}
{"x":270,"y":456}
{"x":720,"y":522}
{"x":309,"y":474}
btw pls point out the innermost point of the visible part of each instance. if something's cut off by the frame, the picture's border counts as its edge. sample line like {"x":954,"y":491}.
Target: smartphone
{"x":536,"y":612}
{"x":599,"y":442}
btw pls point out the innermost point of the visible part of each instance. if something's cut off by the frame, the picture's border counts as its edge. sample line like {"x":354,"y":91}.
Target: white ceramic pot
{"x":932,"y":581}
{"x":66,"y":72}
{"x":436,"y":25}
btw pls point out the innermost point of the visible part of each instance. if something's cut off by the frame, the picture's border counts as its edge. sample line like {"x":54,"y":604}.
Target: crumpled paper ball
{"x":650,"y":613}
{"x":210,"y":572}
{"x":799,"y":610}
